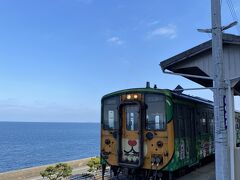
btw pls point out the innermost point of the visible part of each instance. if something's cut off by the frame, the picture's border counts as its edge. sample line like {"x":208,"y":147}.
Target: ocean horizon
{"x":30,"y":144}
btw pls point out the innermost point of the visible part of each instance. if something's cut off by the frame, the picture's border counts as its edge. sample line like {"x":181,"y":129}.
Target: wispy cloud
{"x":115,"y":40}
{"x":169,"y":31}
{"x":153,"y":23}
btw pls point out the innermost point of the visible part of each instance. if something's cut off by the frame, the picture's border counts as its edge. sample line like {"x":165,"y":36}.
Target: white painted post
{"x":231,"y":128}
{"x":221,"y":144}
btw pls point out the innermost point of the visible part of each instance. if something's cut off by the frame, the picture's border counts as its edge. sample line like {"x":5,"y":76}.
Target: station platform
{"x":206,"y":172}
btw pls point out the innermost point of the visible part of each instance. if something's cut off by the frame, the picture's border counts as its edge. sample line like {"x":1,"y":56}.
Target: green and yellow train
{"x":152,"y":133}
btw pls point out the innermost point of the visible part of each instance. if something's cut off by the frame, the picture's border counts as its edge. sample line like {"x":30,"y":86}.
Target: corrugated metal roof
{"x":198,"y":61}
{"x":193,"y":98}
{"x":227,"y":39}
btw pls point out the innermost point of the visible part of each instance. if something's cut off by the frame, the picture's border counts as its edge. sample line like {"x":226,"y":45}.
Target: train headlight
{"x":135,"y":96}
{"x":129,"y":96}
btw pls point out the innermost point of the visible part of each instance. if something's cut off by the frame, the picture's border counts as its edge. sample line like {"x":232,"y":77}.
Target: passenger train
{"x":151,"y":133}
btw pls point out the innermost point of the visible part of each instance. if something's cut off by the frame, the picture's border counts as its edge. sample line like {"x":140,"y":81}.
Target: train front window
{"x":155,"y":112}
{"x":132,"y":113}
{"x":110,"y":113}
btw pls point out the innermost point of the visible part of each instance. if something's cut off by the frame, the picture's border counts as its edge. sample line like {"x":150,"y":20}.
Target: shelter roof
{"x":197,"y":61}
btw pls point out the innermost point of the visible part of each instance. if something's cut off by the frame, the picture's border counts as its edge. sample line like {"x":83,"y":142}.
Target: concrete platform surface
{"x":206,"y":172}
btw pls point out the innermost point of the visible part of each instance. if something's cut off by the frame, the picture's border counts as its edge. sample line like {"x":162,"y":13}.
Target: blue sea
{"x":24,"y":145}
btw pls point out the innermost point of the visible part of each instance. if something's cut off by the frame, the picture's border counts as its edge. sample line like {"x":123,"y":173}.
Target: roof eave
{"x":227,"y":39}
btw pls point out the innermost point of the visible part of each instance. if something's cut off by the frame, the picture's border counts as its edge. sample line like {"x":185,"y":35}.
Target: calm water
{"x":25,"y":145}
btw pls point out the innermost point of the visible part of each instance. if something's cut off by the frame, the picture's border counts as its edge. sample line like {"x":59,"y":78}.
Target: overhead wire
{"x":232,"y":9}
{"x":233,"y":14}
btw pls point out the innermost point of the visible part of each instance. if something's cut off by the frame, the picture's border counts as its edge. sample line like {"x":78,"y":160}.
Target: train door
{"x":130,"y":149}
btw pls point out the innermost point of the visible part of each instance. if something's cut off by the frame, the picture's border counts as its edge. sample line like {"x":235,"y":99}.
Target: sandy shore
{"x":34,"y":173}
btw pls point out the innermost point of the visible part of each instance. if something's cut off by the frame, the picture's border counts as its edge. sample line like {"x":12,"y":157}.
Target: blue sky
{"x":59,"y":57}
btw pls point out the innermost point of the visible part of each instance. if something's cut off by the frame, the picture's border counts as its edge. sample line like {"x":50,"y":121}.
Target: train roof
{"x":166,"y":92}
{"x":193,"y":98}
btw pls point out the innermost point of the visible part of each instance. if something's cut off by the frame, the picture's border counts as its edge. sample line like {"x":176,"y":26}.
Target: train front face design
{"x":138,"y":129}
{"x":130,"y":138}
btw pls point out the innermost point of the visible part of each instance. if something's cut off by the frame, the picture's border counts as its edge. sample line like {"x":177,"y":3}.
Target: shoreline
{"x":33,"y":173}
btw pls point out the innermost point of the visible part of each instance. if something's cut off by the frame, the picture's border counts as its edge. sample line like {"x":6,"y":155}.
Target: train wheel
{"x":171,"y":176}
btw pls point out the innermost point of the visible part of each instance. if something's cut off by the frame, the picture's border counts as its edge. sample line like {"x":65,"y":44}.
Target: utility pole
{"x":221,"y":139}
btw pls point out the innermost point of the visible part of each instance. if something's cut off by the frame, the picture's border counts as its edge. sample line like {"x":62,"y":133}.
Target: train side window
{"x":110,"y":113}
{"x":237,"y":130}
{"x":204,"y":123}
{"x":237,"y":124}
{"x":155,"y":113}
{"x":211,"y":122}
